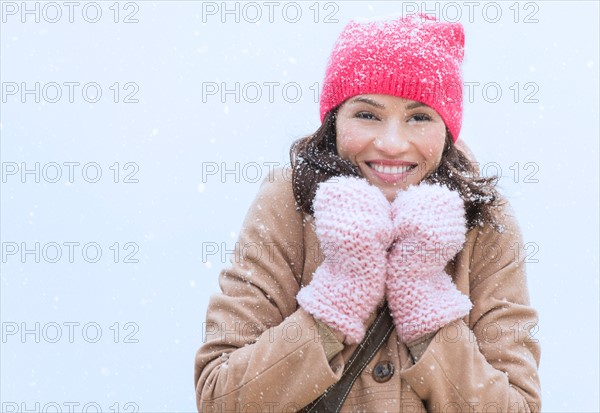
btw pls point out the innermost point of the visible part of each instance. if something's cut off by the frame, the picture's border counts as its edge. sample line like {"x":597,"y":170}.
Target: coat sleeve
{"x":260,"y":351}
{"x":489,"y":363}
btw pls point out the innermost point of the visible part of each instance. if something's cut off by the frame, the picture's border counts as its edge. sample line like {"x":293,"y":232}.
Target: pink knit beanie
{"x":416,"y":58}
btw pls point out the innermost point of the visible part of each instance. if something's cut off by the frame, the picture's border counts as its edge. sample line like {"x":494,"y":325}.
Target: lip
{"x":391,"y":178}
{"x":390,"y":162}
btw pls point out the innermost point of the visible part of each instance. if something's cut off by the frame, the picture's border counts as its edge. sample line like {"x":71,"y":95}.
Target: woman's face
{"x":394,"y":142}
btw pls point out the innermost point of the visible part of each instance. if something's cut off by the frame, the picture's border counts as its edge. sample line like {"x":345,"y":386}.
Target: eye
{"x":420,"y":117}
{"x":365,"y":115}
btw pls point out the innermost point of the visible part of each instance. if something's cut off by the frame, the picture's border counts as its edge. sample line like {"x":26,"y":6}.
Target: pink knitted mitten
{"x":354,"y":226}
{"x":430,"y":229}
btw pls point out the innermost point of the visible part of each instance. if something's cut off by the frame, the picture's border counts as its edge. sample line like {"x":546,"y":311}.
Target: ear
{"x":464,"y":148}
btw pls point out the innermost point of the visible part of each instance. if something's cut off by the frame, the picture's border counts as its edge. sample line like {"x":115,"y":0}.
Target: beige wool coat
{"x":261,"y":352}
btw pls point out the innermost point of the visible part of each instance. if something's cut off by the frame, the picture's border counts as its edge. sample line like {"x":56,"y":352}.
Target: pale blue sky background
{"x":169,"y":61}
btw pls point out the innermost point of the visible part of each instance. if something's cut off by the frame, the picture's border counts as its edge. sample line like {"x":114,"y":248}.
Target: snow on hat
{"x":415,"y":57}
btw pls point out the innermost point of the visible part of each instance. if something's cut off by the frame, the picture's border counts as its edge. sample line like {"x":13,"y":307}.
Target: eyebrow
{"x":371,"y":102}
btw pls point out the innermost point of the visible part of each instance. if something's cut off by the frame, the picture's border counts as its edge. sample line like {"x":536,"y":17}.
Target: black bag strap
{"x":331,"y":401}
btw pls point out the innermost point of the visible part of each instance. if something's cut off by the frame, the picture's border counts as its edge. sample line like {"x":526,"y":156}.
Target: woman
{"x":383,"y":209}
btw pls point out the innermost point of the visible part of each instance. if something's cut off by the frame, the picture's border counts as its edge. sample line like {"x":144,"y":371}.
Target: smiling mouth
{"x":390,"y":170}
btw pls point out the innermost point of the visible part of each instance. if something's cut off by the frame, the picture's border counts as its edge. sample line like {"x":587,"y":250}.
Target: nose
{"x":392,"y":139}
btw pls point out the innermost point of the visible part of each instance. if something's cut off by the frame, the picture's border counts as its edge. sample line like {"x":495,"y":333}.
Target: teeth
{"x":390,"y":170}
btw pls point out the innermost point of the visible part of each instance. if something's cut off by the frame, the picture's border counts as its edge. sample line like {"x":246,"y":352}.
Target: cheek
{"x":432,"y":147}
{"x":350,"y":143}
{"x":431,"y":151}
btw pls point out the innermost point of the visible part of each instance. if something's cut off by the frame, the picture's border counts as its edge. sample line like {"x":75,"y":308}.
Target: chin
{"x":390,"y":193}
{"x":390,"y":196}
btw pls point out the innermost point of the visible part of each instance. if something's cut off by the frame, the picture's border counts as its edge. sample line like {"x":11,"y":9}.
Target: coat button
{"x":383,"y":371}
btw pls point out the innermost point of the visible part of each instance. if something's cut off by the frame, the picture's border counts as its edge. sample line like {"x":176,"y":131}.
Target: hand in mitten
{"x":354,"y":226}
{"x":429,"y":221}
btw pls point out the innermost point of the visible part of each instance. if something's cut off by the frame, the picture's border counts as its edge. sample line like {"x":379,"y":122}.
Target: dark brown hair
{"x":314,"y":159}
